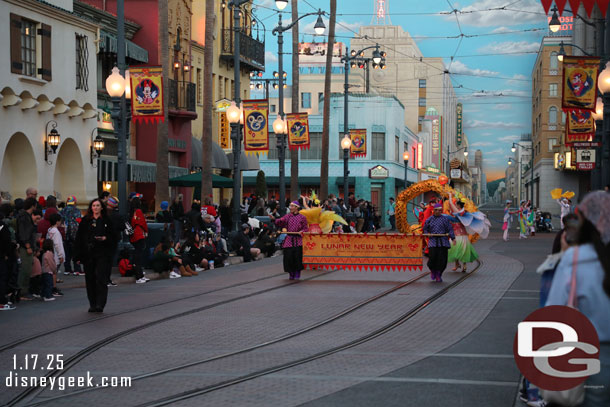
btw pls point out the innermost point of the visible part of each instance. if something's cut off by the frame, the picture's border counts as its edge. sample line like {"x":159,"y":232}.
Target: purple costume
{"x":293,"y":244}
{"x":438,"y":246}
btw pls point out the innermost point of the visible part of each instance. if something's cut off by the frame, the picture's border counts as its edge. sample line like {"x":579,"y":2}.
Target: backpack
{"x":71,"y":216}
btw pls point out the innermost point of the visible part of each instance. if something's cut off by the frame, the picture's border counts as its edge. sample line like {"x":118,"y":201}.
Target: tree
{"x":206,"y":134}
{"x":261,"y":185}
{"x":294,"y":154}
{"x":326,"y":118}
{"x":162,"y":176}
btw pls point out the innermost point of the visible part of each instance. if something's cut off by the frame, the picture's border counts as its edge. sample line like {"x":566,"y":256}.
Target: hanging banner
{"x":298,"y":131}
{"x":580,"y":82}
{"x":256,"y":132}
{"x":147,"y":93}
{"x":580,"y":126}
{"x":358,"y":147}
{"x":362,"y":252}
{"x":459,"y":124}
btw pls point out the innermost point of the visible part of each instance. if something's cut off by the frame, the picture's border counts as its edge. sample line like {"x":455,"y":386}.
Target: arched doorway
{"x":18,"y":167}
{"x":69,"y":175}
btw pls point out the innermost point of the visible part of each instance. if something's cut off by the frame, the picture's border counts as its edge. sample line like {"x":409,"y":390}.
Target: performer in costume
{"x":508,"y":219}
{"x":293,"y":244}
{"x":565,"y":208}
{"x":438,"y":246}
{"x":462,"y":250}
{"x":523,"y":214}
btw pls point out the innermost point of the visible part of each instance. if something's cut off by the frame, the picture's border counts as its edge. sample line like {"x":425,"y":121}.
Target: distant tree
{"x":261,"y":184}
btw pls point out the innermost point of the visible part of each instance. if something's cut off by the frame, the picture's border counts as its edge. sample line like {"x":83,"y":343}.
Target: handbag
{"x":575,"y":396}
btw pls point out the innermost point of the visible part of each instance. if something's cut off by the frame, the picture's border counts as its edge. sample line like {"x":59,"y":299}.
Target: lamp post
{"x":513,"y":149}
{"x":233,"y":117}
{"x":405,"y":158}
{"x":604,"y":87}
{"x":346,"y":143}
{"x":319,"y":28}
{"x":258,"y":83}
{"x":598,"y":116}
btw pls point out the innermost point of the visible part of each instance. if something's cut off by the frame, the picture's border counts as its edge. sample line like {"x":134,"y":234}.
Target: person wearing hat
{"x":438,"y":246}
{"x":242,"y":244}
{"x":71,"y":216}
{"x":293,"y":244}
{"x":164,"y":216}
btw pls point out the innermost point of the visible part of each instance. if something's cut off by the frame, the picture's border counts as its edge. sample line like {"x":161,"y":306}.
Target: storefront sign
{"x":459,"y":124}
{"x":586,"y":144}
{"x":147,"y":93}
{"x":579,"y":90}
{"x":585,"y":166}
{"x":362,"y":252}
{"x":420,"y":156}
{"x":224,"y":130}
{"x":456,"y":173}
{"x":379,"y":172}
{"x":298,"y":131}
{"x":358,"y":147}
{"x":256,"y":133}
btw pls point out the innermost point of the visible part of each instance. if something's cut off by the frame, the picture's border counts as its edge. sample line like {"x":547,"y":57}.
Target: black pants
{"x":392,"y":222}
{"x":293,"y":259}
{"x":4,"y":276}
{"x":96,"y":278}
{"x":437,"y":258}
{"x":138,"y":257}
{"x":69,"y":249}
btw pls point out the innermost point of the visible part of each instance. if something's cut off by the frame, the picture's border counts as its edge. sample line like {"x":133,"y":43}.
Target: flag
{"x":580,"y":126}
{"x":298,"y":131}
{"x":147,"y":93}
{"x":256,"y":132}
{"x":358,"y":147}
{"x":580,"y":82}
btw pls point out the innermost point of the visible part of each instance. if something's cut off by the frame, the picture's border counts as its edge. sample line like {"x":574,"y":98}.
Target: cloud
{"x":509,"y":46}
{"x":502,"y":106}
{"x":270,"y":57}
{"x":265,"y":3}
{"x":509,"y":138}
{"x":501,"y":30}
{"x":458,"y":67}
{"x":481,"y":124}
{"x":529,"y":11}
{"x":482,"y":144}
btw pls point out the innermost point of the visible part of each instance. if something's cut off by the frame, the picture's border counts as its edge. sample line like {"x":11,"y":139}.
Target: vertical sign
{"x":358,"y":147}
{"x":436,"y":141}
{"x":459,"y":124}
{"x":256,"y":132}
{"x":224,"y":130}
{"x":298,"y":131}
{"x":420,"y":156}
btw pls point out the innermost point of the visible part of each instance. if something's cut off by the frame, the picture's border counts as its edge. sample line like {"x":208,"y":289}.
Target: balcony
{"x":182,"y":95}
{"x":251,"y":50}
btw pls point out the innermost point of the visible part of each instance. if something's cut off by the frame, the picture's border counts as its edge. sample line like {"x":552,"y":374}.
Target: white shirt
{"x":58,"y":245}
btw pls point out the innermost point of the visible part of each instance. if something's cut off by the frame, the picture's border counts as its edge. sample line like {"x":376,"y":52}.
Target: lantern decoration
{"x":443,"y":179}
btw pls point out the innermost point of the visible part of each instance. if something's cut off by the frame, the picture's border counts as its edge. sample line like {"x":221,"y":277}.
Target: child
{"x":36,"y":276}
{"x":54,"y":235}
{"x":125,"y":266}
{"x":49,"y":268}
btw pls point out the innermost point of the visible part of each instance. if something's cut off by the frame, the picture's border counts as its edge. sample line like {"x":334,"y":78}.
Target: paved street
{"x":249,"y":322}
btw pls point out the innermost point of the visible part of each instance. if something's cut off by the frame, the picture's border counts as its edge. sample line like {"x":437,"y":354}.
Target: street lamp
{"x":598,"y":116}
{"x":554,"y":24}
{"x":234,"y":117}
{"x":604,"y":87}
{"x":405,"y":158}
{"x":562,"y":51}
{"x":52,"y":140}
{"x":96,"y":148}
{"x":279,"y":31}
{"x":346,"y":143}
{"x":357,"y":59}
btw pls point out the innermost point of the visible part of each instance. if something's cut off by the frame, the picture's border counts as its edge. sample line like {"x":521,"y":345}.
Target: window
{"x":552,"y":143}
{"x":553,"y":61}
{"x":306,"y":100}
{"x":315,"y":148}
{"x":199,"y":87}
{"x":28,"y":47}
{"x":396,"y":149}
{"x":552,"y":115}
{"x":82,"y":71}
{"x":378,"y":146}
{"x":320,"y":96}
{"x":422,"y":102}
{"x":420,"y":120}
{"x":272,"y":108}
{"x":422,"y":83}
{"x":553,"y":89}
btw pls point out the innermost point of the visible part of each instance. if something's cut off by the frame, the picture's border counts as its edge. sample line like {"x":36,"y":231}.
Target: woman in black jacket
{"x":95,"y":242}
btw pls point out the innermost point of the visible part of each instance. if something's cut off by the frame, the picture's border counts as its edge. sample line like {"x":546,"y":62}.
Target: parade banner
{"x":358,"y":147}
{"x":147,"y":93}
{"x":580,"y":126}
{"x":298,"y":131}
{"x":256,"y":133}
{"x":362,"y":252}
{"x":579,"y":90}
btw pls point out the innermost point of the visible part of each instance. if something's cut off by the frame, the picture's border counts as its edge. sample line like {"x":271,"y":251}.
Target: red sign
{"x":585,"y":166}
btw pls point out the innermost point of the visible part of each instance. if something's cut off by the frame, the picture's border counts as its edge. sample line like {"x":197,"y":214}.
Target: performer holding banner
{"x":293,"y":244}
{"x":438,"y":246}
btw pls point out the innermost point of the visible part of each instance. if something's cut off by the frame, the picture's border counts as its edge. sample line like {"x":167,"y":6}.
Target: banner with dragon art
{"x":580,"y":82}
{"x":298,"y":131}
{"x":580,"y":126}
{"x":256,"y":132}
{"x":358,"y":147}
{"x":146,"y":83}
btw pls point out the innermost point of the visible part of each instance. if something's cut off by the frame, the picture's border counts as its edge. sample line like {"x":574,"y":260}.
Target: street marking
{"x":520,"y":298}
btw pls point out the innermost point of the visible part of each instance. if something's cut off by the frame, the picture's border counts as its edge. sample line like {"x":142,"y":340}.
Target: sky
{"x":490,"y":64}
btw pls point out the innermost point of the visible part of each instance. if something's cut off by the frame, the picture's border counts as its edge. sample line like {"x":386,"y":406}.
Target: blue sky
{"x":493,"y":68}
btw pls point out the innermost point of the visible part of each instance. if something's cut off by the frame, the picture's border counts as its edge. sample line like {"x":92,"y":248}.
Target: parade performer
{"x":465,"y":223}
{"x":318,"y":219}
{"x":523,"y":215}
{"x":508,"y":218}
{"x":438,"y":246}
{"x":565,"y":208}
{"x":293,"y":244}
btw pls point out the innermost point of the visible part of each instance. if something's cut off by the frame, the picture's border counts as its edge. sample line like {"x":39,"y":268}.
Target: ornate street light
{"x":281,"y":4}
{"x":52,"y":140}
{"x":346,"y":143}
{"x":405,"y":158}
{"x":465,"y":151}
{"x":96,"y":148}
{"x":376,"y":57}
{"x":233,"y":113}
{"x":115,"y":83}
{"x":554,"y":24}
{"x":319,"y":28}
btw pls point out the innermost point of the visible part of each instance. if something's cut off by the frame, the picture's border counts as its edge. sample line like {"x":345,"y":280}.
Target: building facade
{"x":48,"y":81}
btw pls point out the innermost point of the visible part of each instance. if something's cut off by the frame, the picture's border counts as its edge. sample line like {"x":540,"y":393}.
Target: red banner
{"x":575,"y":4}
{"x":362,"y":252}
{"x":358,"y":147}
{"x":298,"y":131}
{"x":147,"y":93}
{"x":579,"y":126}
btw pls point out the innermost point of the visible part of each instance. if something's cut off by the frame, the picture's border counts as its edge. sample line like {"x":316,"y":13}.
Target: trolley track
{"x":290,"y":335}
{"x":83,"y":353}
{"x":274,"y":369}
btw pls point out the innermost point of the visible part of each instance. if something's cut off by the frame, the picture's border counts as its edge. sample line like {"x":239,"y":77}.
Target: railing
{"x":251,"y":50}
{"x":182,"y":95}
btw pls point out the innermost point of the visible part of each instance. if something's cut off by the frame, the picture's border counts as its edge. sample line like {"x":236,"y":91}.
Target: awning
{"x":219,"y":158}
{"x":108,"y":43}
{"x":303,"y":181}
{"x":246,"y":162}
{"x":137,"y":171}
{"x":194,"y":180}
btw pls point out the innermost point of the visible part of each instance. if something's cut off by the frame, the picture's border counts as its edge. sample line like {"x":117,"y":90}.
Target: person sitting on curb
{"x":242,"y":244}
